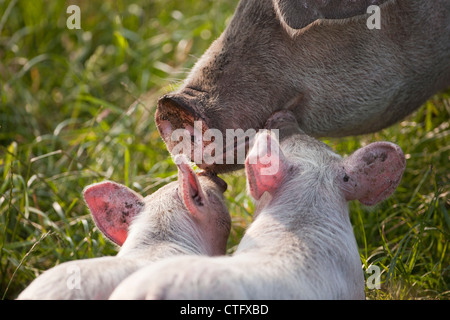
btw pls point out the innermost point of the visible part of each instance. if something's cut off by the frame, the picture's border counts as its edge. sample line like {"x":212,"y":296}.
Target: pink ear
{"x":113,"y":206}
{"x":372,"y":173}
{"x":190,"y":188}
{"x":265,"y":165}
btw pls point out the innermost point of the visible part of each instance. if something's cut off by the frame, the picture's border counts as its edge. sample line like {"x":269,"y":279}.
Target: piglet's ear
{"x":372,"y":173}
{"x":265,"y":165}
{"x":113,"y":206}
{"x":190,"y":189}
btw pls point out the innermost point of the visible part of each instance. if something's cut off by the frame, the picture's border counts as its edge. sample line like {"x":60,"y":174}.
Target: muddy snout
{"x":179,"y":125}
{"x":171,"y":114}
{"x":193,"y":125}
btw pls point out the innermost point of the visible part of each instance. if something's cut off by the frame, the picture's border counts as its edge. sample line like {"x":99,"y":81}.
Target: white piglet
{"x":301,"y":244}
{"x":187,"y":216}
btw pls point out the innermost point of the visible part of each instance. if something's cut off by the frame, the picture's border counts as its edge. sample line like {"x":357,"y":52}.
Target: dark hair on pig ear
{"x":113,"y":206}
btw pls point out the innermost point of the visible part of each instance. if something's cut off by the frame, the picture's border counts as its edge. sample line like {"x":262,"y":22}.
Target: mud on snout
{"x":183,"y":129}
{"x":175,"y":119}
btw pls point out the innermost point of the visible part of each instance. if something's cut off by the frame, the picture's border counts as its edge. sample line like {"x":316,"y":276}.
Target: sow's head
{"x":256,"y":67}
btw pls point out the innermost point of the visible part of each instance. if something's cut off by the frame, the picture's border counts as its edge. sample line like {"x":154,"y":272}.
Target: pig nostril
{"x":176,"y":118}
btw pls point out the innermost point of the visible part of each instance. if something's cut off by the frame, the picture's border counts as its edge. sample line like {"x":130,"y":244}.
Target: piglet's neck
{"x":155,"y":247}
{"x":297,"y":213}
{"x":282,"y":230}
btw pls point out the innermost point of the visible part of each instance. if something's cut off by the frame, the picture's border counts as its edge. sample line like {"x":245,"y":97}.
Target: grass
{"x":68,"y":119}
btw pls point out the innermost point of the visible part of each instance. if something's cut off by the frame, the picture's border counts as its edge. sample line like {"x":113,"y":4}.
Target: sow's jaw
{"x":185,"y":131}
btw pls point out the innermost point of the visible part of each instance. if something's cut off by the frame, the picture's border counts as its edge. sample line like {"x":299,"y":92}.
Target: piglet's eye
{"x":346,"y":178}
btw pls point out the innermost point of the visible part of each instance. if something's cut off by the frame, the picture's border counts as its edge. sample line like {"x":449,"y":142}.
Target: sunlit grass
{"x":68,"y":119}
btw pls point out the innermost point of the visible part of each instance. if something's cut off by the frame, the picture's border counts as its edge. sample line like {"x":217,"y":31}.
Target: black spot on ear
{"x":346,"y":178}
{"x":109,"y":215}
{"x":124,"y":217}
{"x":369,"y":158}
{"x":128,"y":205}
{"x":141,"y":204}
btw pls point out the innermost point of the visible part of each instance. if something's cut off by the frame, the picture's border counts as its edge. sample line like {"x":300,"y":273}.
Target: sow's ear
{"x":113,"y":206}
{"x":265,"y":166}
{"x":297,"y":14}
{"x":372,"y":173}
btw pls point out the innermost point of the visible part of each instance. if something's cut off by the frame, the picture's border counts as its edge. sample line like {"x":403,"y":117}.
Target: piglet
{"x":301,"y":244}
{"x":187,"y":216}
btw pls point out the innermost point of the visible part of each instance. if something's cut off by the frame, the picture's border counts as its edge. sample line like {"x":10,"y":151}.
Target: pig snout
{"x":179,"y":125}
{"x":201,"y":136}
{"x":285,"y":122}
{"x":173,"y":113}
{"x":223,"y":186}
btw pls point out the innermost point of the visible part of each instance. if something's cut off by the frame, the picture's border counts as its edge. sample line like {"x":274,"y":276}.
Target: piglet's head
{"x":113,"y":206}
{"x":196,"y":197}
{"x":371,"y":174}
{"x":202,"y":197}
